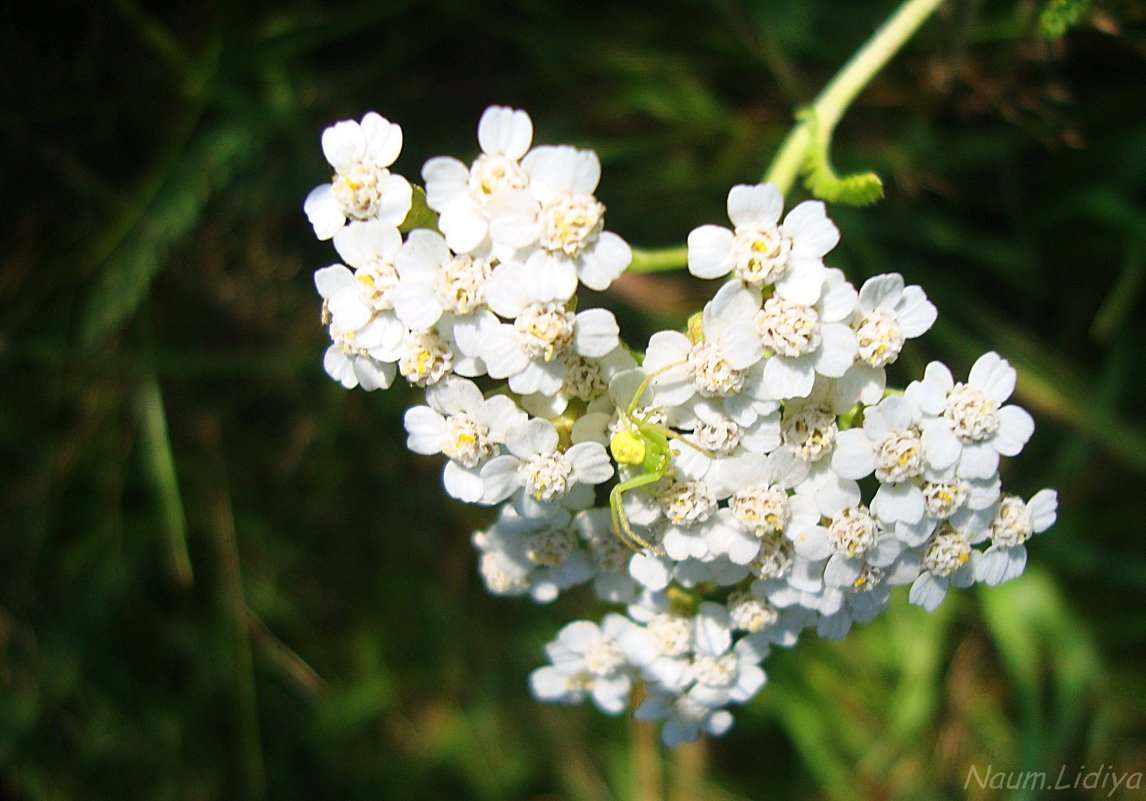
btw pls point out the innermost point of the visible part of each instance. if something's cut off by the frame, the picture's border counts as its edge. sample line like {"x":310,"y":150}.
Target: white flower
{"x":534,"y":464}
{"x":586,"y":660}
{"x":887,"y":314}
{"x":684,"y":717}
{"x":1014,"y":524}
{"x":541,"y":556}
{"x":662,"y":647}
{"x":892,"y":445}
{"x":586,"y":380}
{"x":362,"y":188}
{"x":971,"y":416}
{"x":722,"y":672}
{"x":803,"y":340}
{"x":427,"y":356}
{"x":468,"y":198}
{"x":466,"y":427}
{"x":759,"y":506}
{"x":436,"y":281}
{"x":691,"y":371}
{"x":759,"y":251}
{"x":565,"y":221}
{"x":943,"y":496}
{"x":948,"y":558}
{"x":532,"y":350}
{"x":610,"y":556}
{"x":365,"y":344}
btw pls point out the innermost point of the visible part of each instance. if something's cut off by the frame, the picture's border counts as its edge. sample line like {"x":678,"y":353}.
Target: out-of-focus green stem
{"x":160,"y":466}
{"x":660,"y":260}
{"x":830,"y":105}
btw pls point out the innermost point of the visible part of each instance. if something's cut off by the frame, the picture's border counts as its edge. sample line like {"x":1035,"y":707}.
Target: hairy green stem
{"x":824,"y":113}
{"x":830,"y":105}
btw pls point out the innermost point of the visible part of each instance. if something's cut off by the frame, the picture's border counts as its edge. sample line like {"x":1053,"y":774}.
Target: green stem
{"x":660,"y":260}
{"x":825,"y":112}
{"x":830,"y":105}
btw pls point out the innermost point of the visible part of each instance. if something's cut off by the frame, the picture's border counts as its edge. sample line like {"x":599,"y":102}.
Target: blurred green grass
{"x":222,"y":576}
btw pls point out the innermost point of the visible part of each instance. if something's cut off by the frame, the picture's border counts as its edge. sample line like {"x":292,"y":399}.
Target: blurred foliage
{"x":222,"y":576}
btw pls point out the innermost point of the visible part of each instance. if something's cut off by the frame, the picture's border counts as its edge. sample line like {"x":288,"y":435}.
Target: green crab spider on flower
{"x":641,"y":442}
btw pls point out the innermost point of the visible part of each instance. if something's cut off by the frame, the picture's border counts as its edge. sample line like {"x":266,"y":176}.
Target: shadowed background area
{"x":223,"y":576}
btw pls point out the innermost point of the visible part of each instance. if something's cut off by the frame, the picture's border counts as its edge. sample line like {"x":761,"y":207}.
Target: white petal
{"x":710,"y":251}
{"x":757,"y":205}
{"x":343,"y":143}
{"x":505,"y":131}
{"x":464,"y":228}
{"x":916,"y":314}
{"x":1015,"y":428}
{"x":561,"y":169}
{"x":543,"y":377}
{"x":978,"y":461}
{"x":740,"y":344}
{"x":502,"y":353}
{"x":1043,"y":507}
{"x":940,"y":445}
{"x":372,"y":374}
{"x":812,"y":542}
{"x":803,"y":282}
{"x":446,"y":179}
{"x":604,"y":261}
{"x":323,"y":212}
{"x":330,"y":280}
{"x":427,"y":430}
{"x":500,"y":477}
{"x":853,"y":456}
{"x":383,"y":139}
{"x":455,"y":395}
{"x":894,"y":502}
{"x":786,"y":377}
{"x":462,"y":483}
{"x":881,"y":291}
{"x":928,"y":591}
{"x":713,"y":632}
{"x":348,"y":310}
{"x":470,"y":331}
{"x":839,"y":298}
{"x":930,"y":394}
{"x":535,"y":437}
{"x":591,"y":463}
{"x":837,"y":351}
{"x":339,"y":367}
{"x":993,"y":375}
{"x":397,"y":197}
{"x":595,"y":332}
{"x":812,"y":233}
{"x":842,"y":571}
{"x":997,"y":565}
{"x":651,"y":572}
{"x":550,"y":684}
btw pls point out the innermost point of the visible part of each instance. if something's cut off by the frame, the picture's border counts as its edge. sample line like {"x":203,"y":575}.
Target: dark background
{"x":223,"y":576}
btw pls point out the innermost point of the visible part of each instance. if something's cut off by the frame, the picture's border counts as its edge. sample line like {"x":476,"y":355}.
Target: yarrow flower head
{"x":744,"y":480}
{"x":362,"y":188}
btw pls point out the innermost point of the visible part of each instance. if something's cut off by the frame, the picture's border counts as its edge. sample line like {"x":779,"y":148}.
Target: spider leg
{"x":644,"y":385}
{"x":621,"y":526}
{"x":670,"y":434}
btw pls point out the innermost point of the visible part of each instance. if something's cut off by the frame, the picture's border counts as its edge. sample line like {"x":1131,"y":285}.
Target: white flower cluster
{"x":761,"y":478}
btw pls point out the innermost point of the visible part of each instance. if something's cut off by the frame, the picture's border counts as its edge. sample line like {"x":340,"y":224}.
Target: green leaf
{"x":1059,"y":16}
{"x":420,"y":214}
{"x":168,"y":211}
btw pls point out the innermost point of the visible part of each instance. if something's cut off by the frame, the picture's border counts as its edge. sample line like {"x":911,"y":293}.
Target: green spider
{"x":643,"y":443}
